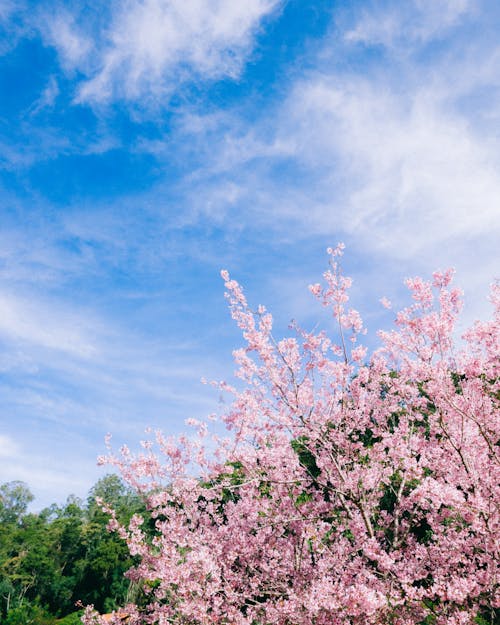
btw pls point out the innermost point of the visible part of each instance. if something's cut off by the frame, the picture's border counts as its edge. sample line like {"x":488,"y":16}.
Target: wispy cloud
{"x":61,"y":30}
{"x":414,"y":22}
{"x":8,"y":447}
{"x":47,"y":97}
{"x":403,"y":166}
{"x":13,"y":24}
{"x":143,"y":50}
{"x":395,"y":157}
{"x":34,"y":323}
{"x":401,"y":160}
{"x":7,"y":8}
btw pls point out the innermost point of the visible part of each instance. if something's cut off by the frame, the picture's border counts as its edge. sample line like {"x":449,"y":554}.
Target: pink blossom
{"x":349,"y":488}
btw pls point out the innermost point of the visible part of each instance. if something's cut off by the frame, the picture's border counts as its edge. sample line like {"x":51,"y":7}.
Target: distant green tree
{"x":28,"y":614}
{"x":14,"y":500}
{"x":63,"y":554}
{"x":115,"y":493}
{"x":74,"y":618}
{"x":106,"y":558}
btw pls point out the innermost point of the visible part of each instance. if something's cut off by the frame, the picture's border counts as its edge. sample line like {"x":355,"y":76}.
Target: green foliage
{"x":488,"y":617}
{"x":14,"y":500}
{"x":306,"y":457}
{"x":28,"y":614}
{"x":51,"y":560}
{"x":71,"y":619}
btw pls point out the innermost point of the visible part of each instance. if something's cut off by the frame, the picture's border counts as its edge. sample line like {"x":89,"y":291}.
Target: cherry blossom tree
{"x":351,"y":488}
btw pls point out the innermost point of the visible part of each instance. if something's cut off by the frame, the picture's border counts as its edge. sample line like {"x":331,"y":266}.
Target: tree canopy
{"x":350,"y":488}
{"x":63,"y":555}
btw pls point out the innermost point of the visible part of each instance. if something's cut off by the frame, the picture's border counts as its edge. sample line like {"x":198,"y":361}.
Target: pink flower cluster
{"x":350,"y":488}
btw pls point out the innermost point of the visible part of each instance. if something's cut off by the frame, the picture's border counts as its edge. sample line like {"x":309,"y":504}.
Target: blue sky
{"x":146,"y":145}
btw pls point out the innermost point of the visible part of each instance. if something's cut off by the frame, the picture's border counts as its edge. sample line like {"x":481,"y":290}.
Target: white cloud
{"x":47,"y":97}
{"x":148,"y":48}
{"x":397,"y":157}
{"x":7,"y":8}
{"x":39,"y":325}
{"x":8,"y":447}
{"x":417,"y":22}
{"x":401,"y":170}
{"x":61,"y":30}
{"x":13,"y":25}
{"x":394,"y":157}
{"x":402,"y":166}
